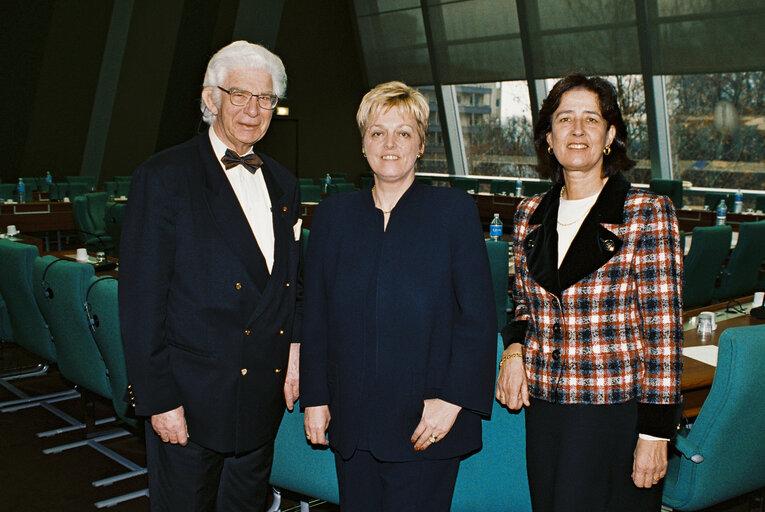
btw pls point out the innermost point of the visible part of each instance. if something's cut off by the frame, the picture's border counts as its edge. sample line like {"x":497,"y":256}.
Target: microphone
{"x":102,"y":247}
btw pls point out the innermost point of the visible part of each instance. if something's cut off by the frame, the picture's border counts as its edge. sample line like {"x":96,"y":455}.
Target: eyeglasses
{"x":241,"y":98}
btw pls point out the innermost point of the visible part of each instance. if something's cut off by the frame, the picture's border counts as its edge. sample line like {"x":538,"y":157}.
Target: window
{"x":717,"y":129}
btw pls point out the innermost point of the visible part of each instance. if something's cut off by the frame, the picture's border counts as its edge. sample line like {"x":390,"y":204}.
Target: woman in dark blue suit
{"x":398,"y":345}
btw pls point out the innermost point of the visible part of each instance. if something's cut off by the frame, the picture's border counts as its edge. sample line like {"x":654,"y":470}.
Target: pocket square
{"x":297,"y":229}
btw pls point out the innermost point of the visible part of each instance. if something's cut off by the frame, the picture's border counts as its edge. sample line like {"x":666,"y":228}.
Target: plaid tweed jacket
{"x":606,"y":327}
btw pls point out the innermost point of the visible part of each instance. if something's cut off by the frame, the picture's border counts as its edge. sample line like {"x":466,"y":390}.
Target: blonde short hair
{"x":394,"y":94}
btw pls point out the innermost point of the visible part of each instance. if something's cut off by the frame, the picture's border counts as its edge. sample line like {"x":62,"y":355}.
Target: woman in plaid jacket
{"x":594,"y":351}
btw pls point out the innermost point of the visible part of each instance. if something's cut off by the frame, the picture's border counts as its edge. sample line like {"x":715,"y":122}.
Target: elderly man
{"x":209,"y":298}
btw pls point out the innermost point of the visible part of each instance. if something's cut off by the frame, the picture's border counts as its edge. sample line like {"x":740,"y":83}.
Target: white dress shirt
{"x":252,"y":193}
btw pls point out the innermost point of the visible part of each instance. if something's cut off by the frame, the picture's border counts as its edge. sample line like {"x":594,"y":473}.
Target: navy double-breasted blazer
{"x":398,"y":316}
{"x":204,"y":325}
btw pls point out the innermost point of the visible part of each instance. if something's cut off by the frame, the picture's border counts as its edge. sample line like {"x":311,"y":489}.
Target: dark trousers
{"x":193,"y":478}
{"x":369,"y":485}
{"x":579,"y":459}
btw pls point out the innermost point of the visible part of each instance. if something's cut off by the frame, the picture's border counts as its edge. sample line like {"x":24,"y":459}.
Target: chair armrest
{"x":688,"y":449}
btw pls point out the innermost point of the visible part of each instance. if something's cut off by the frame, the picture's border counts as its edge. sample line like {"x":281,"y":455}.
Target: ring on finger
{"x":432,"y":438}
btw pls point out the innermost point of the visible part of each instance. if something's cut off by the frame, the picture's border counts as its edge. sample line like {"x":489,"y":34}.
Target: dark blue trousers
{"x":193,"y":478}
{"x":579,"y":459}
{"x":369,"y":485}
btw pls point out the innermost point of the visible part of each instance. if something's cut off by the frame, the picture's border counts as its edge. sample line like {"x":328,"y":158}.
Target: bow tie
{"x":251,"y":162}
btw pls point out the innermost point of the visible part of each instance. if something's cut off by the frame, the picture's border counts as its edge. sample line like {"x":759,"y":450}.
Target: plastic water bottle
{"x":495,"y":228}
{"x":327,"y":182}
{"x":48,"y":178}
{"x":21,"y":188}
{"x":722,"y":212}
{"x":518,"y":188}
{"x":738,"y":202}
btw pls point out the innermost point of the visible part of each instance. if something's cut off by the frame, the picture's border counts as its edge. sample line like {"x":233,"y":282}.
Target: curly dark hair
{"x":547,"y":164}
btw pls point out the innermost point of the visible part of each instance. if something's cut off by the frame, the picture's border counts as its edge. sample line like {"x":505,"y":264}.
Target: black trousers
{"x":370,"y":485}
{"x":579,"y":459}
{"x":193,"y":478}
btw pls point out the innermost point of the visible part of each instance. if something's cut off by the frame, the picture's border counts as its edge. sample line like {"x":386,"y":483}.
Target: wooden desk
{"x":306,"y":213}
{"x":489,"y":204}
{"x":690,"y":218}
{"x":698,"y":376}
{"x":37,"y":217}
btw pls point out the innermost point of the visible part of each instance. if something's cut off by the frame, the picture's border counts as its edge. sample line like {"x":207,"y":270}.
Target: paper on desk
{"x":707,"y":354}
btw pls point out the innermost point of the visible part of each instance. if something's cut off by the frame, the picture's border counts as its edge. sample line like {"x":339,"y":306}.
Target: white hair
{"x":241,"y":55}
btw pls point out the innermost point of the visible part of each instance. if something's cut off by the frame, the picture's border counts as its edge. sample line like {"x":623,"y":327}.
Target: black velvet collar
{"x":592,"y":247}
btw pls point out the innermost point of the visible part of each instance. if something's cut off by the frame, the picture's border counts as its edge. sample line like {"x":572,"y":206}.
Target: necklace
{"x":384,"y":212}
{"x":578,"y":219}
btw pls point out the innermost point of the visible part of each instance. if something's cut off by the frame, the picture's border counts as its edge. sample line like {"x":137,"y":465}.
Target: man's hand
{"x":170,"y":426}
{"x":316,"y":422}
{"x":292,"y":381}
{"x":650,"y":464}
{"x":437,"y":419}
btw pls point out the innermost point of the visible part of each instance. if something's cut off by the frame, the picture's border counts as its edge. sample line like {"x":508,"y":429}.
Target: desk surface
{"x":698,"y":376}
{"x":37,"y":216}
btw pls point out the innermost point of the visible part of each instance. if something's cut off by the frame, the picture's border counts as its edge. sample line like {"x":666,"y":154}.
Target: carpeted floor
{"x":32,"y":481}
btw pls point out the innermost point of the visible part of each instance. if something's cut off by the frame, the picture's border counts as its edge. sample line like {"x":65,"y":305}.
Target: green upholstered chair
{"x":465,"y":183}
{"x":340,"y":177}
{"x":723,"y":455}
{"x":89,"y":181}
{"x":74,"y":189}
{"x":310,"y":193}
{"x":123,"y":188}
{"x":30,"y":330}
{"x":110,"y":187}
{"x":57,"y":191}
{"x":305,"y":181}
{"x":122,"y":178}
{"x":367,"y":182}
{"x":104,"y":314}
{"x":7,"y":191}
{"x":701,"y":266}
{"x":16,"y":283}
{"x":712,"y":199}
{"x":6,"y":332}
{"x":670,"y":188}
{"x":532,"y":188}
{"x":483,"y":482}
{"x":115,"y":213}
{"x":91,"y":235}
{"x":60,"y":297}
{"x":499,"y":262}
{"x":504,"y":187}
{"x":340,"y":188}
{"x":740,"y":275}
{"x":97,"y":210}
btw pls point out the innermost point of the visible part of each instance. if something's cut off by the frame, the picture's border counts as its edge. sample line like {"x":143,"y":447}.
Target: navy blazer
{"x":398,"y":316}
{"x":203,"y":324}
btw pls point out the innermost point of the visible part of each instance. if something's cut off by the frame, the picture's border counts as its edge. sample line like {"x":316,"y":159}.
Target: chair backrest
{"x":759,"y":203}
{"x":7,"y":191}
{"x":305,"y":181}
{"x":465,"y":183}
{"x":499,"y":262}
{"x":532,"y":188}
{"x":102,"y":301}
{"x":701,"y":266}
{"x":123,"y":188}
{"x":61,"y":297}
{"x":122,"y":178}
{"x":729,"y":432}
{"x":90,"y":181}
{"x":502,"y":187}
{"x":82,"y":219}
{"x":110,"y":187}
{"x":75,"y":189}
{"x":670,"y":188}
{"x":16,"y":285}
{"x":342,"y":176}
{"x":482,"y":482}
{"x":712,"y":199}
{"x":367,"y":182}
{"x":340,"y":188}
{"x":115,"y":213}
{"x":310,"y":193}
{"x":97,"y":209}
{"x":740,"y":275}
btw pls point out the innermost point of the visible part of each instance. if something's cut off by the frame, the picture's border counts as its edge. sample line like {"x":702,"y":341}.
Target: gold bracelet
{"x":509,"y":356}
